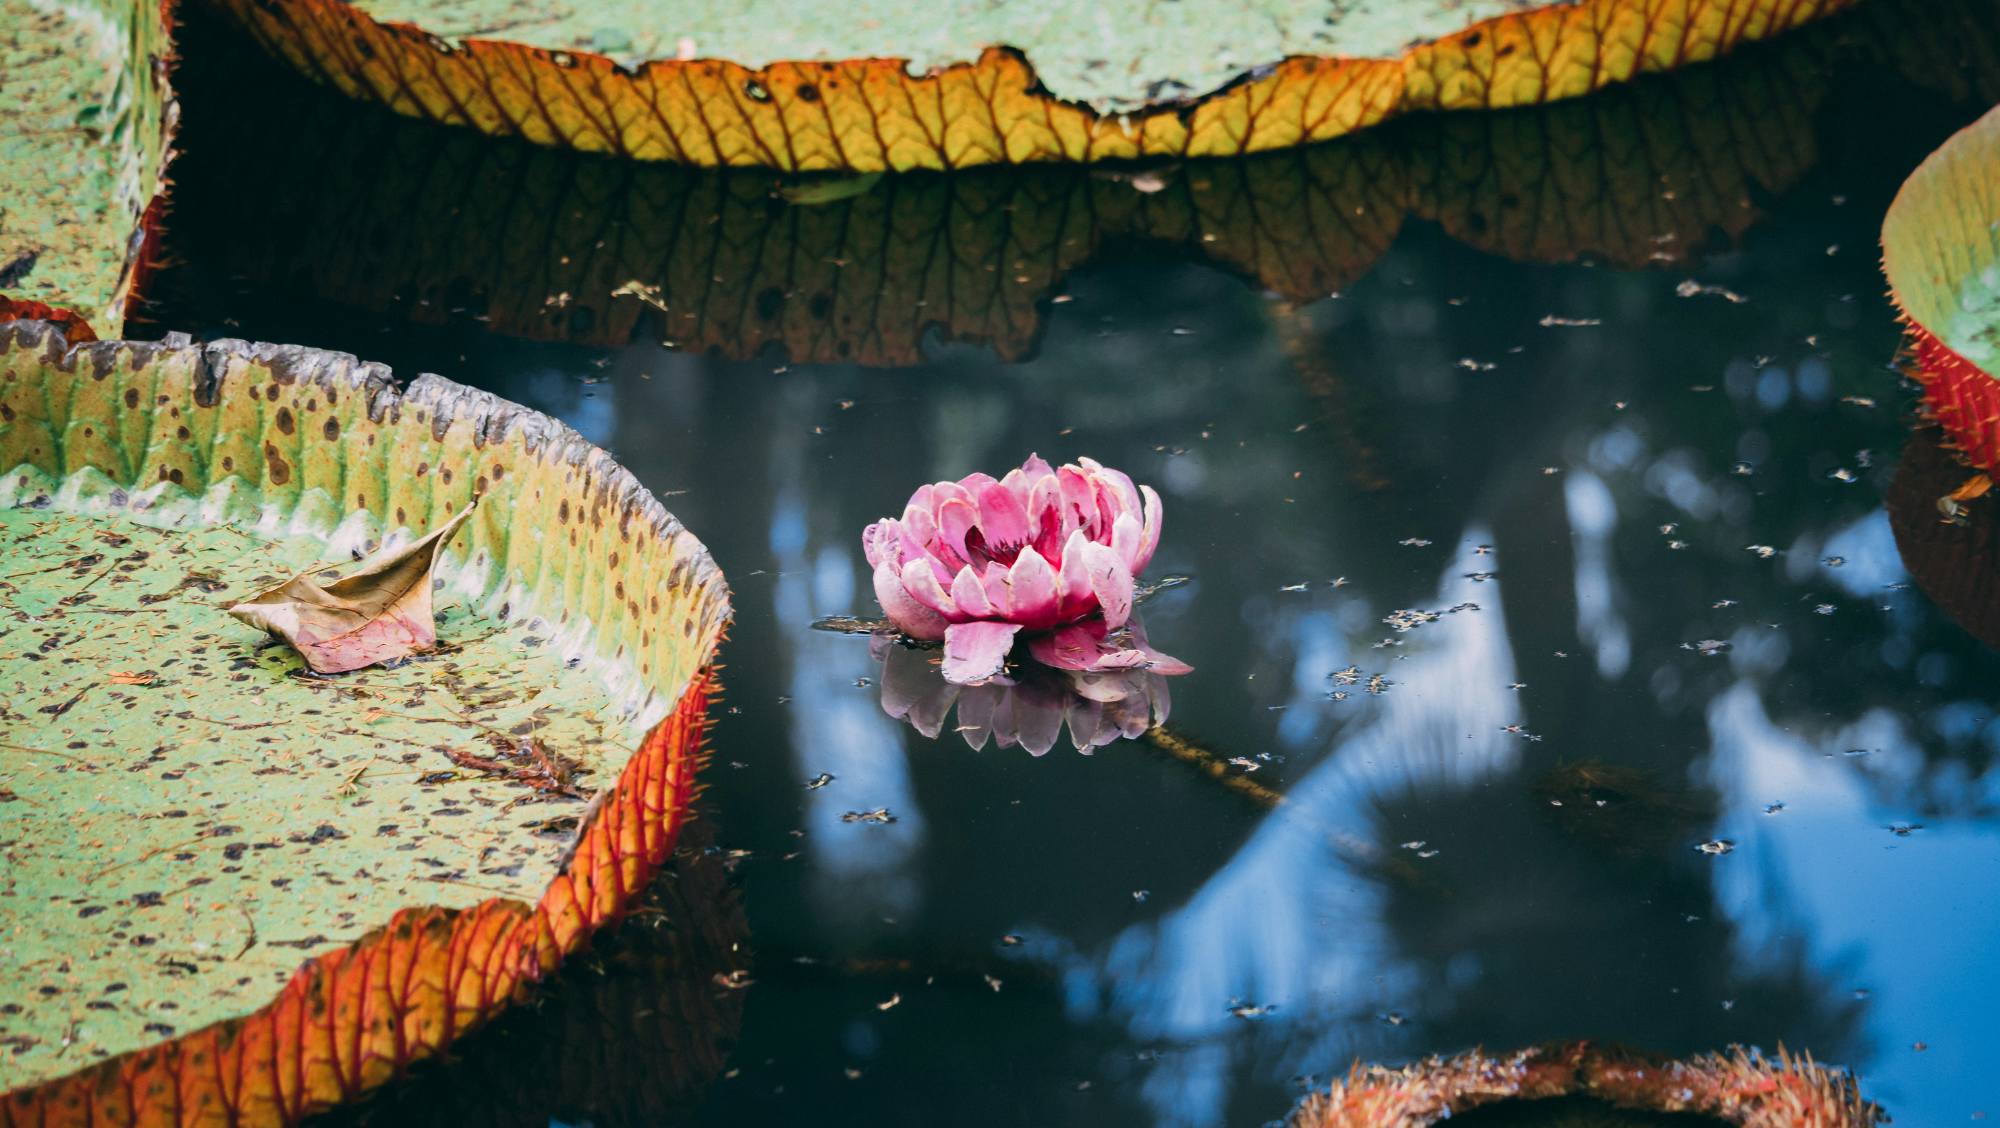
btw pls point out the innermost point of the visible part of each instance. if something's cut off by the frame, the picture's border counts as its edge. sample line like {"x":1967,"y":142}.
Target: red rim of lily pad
{"x":1739,"y":1087}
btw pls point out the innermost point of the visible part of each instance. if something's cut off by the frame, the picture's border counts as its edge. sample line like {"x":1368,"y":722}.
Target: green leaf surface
{"x":84,"y":118}
{"x":190,"y":813}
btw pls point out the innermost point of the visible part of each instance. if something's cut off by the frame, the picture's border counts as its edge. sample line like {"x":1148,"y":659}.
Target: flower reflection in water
{"x":1028,"y":705}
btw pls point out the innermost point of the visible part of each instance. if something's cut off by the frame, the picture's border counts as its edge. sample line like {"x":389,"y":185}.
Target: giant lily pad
{"x":440,"y":223}
{"x":191,"y":812}
{"x":1941,"y":251}
{"x":85,"y":116}
{"x":896,"y":84}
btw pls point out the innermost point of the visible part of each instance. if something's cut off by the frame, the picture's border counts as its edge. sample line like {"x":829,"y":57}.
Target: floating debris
{"x":1246,"y":764}
{"x":1774,"y":808}
{"x":1012,"y":940}
{"x":1140,"y":895}
{"x":1409,"y":619}
{"x":1691,"y":288}
{"x":1293,"y":587}
{"x":1245,"y":1010}
{"x":1552,"y":321}
{"x":878,"y":816}
{"x":1717,"y":847}
{"x":1709,"y":647}
{"x":819,"y":781}
{"x":889,"y":1002}
{"x":1763,"y":551}
{"x":1902,"y":830}
{"x":1415,"y":542}
{"x":1418,"y":845}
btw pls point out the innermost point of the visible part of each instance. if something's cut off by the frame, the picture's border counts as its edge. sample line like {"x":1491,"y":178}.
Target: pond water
{"x":1608,"y":384}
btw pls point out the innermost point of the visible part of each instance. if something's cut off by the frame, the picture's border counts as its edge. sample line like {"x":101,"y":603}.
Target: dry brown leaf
{"x":134,"y":679}
{"x":380,"y":612}
{"x":1976,"y":486}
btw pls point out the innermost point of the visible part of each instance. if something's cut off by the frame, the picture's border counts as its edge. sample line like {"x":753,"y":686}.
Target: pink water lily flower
{"x":1046,"y":556}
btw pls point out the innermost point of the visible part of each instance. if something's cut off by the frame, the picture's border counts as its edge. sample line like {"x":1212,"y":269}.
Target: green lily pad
{"x":1941,"y":244}
{"x":191,"y":812}
{"x":85,"y":116}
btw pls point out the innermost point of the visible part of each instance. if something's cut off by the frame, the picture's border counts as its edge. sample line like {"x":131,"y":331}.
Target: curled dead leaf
{"x":380,"y":612}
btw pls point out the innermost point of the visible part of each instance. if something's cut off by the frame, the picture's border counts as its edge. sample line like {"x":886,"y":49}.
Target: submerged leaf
{"x":380,"y":612}
{"x":442,"y":225}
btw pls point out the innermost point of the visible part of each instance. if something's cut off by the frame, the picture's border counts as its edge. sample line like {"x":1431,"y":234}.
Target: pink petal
{"x":994,"y":579}
{"x":975,"y":483}
{"x":1003,"y":518}
{"x":974,"y":652}
{"x":922,"y":583}
{"x":1126,"y":536}
{"x":881,"y":539}
{"x":1067,"y":648}
{"x":1079,"y":501}
{"x":945,"y":491}
{"x":1158,"y":663}
{"x":1077,"y":597}
{"x":1111,"y":580}
{"x":1045,"y":519}
{"x":970,"y":596}
{"x":1121,"y":485}
{"x":1036,"y":468}
{"x":956,"y":518}
{"x":921,"y":528}
{"x":912,"y":618}
{"x":1031,"y":591}
{"x":1151,"y":539}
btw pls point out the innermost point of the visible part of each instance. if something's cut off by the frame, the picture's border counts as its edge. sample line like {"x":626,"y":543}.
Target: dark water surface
{"x":1615,"y":372}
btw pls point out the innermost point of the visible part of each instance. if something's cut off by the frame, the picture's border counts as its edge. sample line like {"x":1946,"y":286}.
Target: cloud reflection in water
{"x":1295,"y":920}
